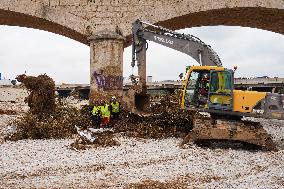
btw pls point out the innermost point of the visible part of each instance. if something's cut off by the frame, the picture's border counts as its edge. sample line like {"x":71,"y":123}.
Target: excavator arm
{"x":188,"y":44}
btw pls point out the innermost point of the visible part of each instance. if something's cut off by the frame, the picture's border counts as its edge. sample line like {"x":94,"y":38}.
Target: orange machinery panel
{"x":244,"y":101}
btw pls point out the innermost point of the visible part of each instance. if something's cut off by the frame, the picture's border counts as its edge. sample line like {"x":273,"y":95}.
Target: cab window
{"x":221,"y":81}
{"x":190,"y":89}
{"x":214,"y":84}
{"x":197,"y":89}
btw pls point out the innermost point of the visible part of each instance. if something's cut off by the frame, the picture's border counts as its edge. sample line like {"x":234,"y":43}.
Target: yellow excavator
{"x":207,"y":88}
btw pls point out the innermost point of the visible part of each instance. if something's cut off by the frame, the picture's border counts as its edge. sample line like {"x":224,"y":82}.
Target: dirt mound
{"x":7,"y":112}
{"x":164,"y":120}
{"x":47,"y":118}
{"x":181,"y":182}
{"x":59,"y":124}
{"x":152,"y":184}
{"x":164,"y":103}
{"x":166,"y":124}
{"x":42,"y":93}
{"x":104,"y":139}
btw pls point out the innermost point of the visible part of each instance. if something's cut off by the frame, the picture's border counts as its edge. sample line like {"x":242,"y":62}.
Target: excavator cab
{"x":197,"y":89}
{"x":207,"y":87}
{"x":220,"y":96}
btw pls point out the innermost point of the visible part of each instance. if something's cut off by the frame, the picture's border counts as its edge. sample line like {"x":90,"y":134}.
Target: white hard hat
{"x":113,"y":98}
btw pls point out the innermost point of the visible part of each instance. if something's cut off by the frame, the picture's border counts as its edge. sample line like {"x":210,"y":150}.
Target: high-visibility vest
{"x":115,"y":107}
{"x":105,"y":111}
{"x":96,"y":110}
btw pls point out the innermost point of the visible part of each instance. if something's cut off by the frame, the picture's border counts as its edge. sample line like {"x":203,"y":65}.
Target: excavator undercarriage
{"x":247,"y":132}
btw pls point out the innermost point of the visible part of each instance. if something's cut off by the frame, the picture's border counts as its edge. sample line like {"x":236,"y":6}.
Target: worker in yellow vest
{"x":114,"y":109}
{"x":96,"y":115}
{"x":105,"y":110}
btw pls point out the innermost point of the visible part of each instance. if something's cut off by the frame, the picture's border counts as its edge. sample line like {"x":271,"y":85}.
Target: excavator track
{"x":242,"y":131}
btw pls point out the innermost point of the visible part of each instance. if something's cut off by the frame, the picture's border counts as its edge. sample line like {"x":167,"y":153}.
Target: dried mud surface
{"x":53,"y":164}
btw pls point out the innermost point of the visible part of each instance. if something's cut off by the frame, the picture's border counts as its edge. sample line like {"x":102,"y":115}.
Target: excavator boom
{"x":187,"y":44}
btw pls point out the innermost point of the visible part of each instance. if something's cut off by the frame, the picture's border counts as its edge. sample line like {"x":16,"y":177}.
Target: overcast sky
{"x":255,"y":52}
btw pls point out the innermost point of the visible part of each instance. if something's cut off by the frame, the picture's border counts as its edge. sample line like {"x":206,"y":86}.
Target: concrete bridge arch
{"x":269,"y":19}
{"x":105,"y":25}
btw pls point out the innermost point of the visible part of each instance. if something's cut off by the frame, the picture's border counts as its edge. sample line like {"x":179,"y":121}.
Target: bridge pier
{"x":106,"y":65}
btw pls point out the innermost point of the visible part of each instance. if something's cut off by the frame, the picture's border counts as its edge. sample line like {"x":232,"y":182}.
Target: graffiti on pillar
{"x":108,"y":82}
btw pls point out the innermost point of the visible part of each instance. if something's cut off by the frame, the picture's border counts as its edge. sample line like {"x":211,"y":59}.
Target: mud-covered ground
{"x":52,"y":164}
{"x":136,"y":162}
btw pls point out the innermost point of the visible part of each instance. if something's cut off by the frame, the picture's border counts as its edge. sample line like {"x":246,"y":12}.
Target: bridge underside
{"x":254,"y":17}
{"x":11,"y":18}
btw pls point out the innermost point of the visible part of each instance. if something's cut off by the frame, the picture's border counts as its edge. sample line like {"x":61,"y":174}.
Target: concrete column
{"x":106,"y":65}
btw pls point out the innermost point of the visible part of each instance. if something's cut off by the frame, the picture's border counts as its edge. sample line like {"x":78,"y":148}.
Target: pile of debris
{"x":46,"y":117}
{"x":87,"y":136}
{"x":155,"y":126}
{"x":90,"y":138}
{"x":165,"y":120}
{"x":51,"y":118}
{"x":41,"y":99}
{"x":162,"y":103}
{"x":7,"y":112}
{"x":58,"y":124}
{"x":166,"y":124}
